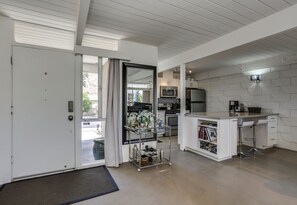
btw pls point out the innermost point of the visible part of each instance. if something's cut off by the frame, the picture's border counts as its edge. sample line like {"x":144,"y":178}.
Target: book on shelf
{"x":206,"y":133}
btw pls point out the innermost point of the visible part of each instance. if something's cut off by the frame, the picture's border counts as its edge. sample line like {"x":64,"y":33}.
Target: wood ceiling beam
{"x":273,"y":24}
{"x":83,"y":8}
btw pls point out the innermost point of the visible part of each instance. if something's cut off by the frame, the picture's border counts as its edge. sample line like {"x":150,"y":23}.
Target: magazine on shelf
{"x":211,"y":133}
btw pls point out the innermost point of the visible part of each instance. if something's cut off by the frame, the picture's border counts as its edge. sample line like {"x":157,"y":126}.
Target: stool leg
{"x":240,"y":154}
{"x":254,"y":149}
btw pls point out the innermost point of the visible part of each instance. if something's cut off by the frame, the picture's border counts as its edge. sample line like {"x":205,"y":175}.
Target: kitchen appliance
{"x":240,"y":108}
{"x":168,"y":91}
{"x":233,"y":105}
{"x":171,"y":119}
{"x":254,"y":109}
{"x":195,"y":100}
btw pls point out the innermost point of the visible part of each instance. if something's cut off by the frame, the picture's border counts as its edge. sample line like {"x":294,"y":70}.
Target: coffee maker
{"x":233,"y":105}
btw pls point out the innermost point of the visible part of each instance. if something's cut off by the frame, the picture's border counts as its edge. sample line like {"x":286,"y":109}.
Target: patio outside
{"x":92,"y":142}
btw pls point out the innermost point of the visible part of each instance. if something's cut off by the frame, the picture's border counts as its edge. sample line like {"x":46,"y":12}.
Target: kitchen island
{"x":214,"y":135}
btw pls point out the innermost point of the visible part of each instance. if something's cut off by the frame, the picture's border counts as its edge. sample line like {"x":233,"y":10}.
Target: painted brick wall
{"x":277,"y":92}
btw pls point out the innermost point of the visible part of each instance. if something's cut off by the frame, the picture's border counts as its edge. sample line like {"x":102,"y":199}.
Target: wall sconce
{"x":255,"y":78}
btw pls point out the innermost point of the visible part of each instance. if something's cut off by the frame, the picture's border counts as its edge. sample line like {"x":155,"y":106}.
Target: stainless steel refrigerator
{"x":195,"y":100}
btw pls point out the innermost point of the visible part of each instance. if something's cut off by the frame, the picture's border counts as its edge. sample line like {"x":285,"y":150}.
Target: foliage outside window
{"x":87,"y":103}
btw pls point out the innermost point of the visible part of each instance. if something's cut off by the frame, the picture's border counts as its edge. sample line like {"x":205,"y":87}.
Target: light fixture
{"x":255,"y":78}
{"x":190,"y":71}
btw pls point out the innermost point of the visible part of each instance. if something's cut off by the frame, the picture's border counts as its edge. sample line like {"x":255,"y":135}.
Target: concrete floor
{"x":270,"y":178}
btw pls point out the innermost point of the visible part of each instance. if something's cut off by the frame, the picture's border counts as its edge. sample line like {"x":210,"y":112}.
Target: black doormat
{"x":59,"y":189}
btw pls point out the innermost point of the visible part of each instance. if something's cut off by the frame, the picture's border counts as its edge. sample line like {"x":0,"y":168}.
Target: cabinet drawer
{"x":272,"y":118}
{"x":272,"y":139}
{"x":272,"y":127}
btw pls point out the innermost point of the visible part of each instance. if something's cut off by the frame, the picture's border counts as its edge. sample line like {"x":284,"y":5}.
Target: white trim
{"x":273,"y":24}
{"x":99,"y":163}
{"x":181,"y":133}
{"x":78,"y":108}
{"x":93,"y":164}
{"x":101,"y":52}
{"x":42,"y":175}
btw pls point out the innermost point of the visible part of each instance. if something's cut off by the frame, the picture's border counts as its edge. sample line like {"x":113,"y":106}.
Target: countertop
{"x":227,"y":115}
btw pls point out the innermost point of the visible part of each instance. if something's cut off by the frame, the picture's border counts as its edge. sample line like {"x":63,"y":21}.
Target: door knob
{"x":70,"y":117}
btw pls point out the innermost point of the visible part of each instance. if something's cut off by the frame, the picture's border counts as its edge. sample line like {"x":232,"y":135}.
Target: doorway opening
{"x":94,"y":83}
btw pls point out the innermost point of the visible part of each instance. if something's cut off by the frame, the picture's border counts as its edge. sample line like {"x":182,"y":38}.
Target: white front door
{"x":43,"y":136}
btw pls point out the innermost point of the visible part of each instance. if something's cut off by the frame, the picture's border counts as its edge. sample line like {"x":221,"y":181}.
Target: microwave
{"x":168,"y":91}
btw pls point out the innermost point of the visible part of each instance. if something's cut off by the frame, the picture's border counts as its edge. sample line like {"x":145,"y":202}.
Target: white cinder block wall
{"x":277,"y":92}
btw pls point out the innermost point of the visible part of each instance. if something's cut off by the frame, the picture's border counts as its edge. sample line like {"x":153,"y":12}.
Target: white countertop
{"x":227,"y":115}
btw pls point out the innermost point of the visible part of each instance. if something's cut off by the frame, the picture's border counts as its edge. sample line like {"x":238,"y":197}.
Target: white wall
{"x":5,"y":102}
{"x":140,"y":53}
{"x":277,"y":92}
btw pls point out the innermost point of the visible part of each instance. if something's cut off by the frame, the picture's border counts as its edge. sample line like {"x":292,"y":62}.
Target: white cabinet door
{"x":233,"y":136}
{"x":43,"y":137}
{"x":191,"y":133}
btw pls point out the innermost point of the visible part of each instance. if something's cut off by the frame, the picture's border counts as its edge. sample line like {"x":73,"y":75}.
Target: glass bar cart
{"x":149,"y":155}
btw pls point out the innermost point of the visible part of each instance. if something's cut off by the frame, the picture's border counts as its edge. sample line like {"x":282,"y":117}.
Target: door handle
{"x":70,"y":117}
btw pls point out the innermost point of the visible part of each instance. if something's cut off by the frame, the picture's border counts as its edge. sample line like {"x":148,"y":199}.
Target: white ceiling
{"x":280,"y":44}
{"x":178,"y":25}
{"x":53,"y":13}
{"x":172,"y":25}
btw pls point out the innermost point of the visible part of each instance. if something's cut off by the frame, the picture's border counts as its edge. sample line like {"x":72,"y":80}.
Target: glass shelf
{"x":149,"y":156}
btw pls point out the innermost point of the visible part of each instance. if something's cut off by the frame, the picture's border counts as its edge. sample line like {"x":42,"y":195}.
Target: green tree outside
{"x":87,"y":103}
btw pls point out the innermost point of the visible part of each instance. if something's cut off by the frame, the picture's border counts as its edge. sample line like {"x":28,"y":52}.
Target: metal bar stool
{"x":249,"y":124}
{"x":260,"y":122}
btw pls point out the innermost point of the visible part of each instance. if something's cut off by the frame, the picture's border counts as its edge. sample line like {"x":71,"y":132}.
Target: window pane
{"x":90,"y":89}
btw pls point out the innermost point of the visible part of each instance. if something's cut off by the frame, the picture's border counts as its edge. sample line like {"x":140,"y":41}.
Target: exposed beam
{"x":82,"y":16}
{"x":276,"y":23}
